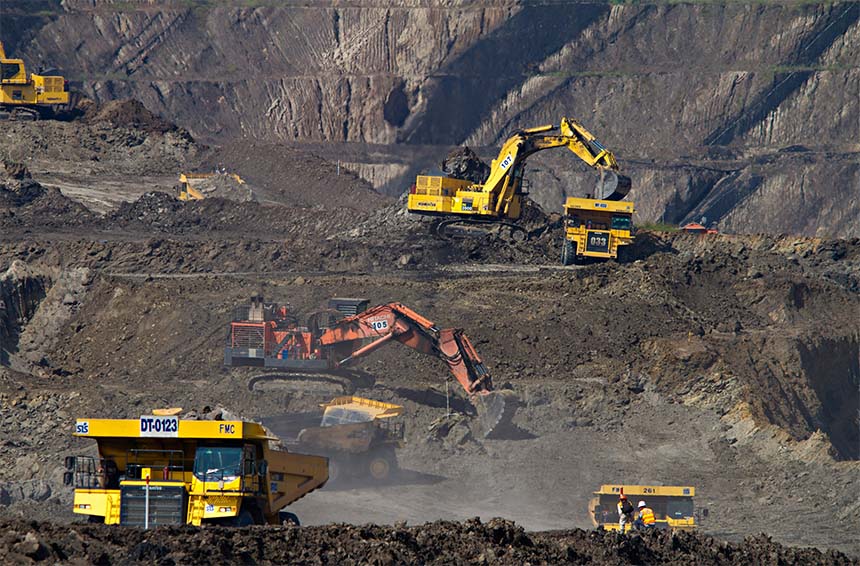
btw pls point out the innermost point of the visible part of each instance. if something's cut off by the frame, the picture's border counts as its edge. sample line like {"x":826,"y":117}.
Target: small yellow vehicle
{"x":161,"y":470}
{"x":672,"y":505}
{"x":595,"y":229}
{"x":197,"y":186}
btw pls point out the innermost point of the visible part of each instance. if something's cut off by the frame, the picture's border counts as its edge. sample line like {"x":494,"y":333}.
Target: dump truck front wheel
{"x":244,"y":519}
{"x":568,"y":252}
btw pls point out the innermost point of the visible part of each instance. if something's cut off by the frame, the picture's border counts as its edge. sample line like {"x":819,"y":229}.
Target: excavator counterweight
{"x":269,"y":336}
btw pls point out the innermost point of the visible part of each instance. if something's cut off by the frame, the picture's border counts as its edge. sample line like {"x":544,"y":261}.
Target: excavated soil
{"x":294,"y":177}
{"x":129,"y":113}
{"x":470,"y":542}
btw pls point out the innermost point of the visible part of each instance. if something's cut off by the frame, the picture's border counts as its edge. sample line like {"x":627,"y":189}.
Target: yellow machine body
{"x":672,"y":505}
{"x":187,"y":181}
{"x":18,"y":89}
{"x":596,"y":228}
{"x":190,"y":471}
{"x":355,"y":425}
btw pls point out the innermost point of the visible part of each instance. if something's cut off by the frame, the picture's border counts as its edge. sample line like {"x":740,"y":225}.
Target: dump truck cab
{"x":595,"y":228}
{"x":162,"y":470}
{"x":672,"y":505}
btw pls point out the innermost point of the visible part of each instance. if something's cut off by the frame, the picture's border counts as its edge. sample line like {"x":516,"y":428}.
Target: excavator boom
{"x":395,"y":321}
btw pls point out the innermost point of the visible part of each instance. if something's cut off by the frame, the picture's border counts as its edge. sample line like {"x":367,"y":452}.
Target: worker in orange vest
{"x":646,"y":519}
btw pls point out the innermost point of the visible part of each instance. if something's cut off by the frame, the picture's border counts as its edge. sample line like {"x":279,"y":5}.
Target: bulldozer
{"x":34,"y":96}
{"x":270,"y":335}
{"x":197,"y":186}
{"x":163,"y":470}
{"x":359,"y":436}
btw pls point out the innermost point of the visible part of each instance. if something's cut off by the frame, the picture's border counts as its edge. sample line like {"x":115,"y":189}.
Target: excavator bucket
{"x":612,"y":186}
{"x":495,"y":411}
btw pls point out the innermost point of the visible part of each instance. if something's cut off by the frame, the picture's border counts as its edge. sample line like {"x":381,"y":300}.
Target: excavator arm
{"x":395,"y":321}
{"x":569,"y":133}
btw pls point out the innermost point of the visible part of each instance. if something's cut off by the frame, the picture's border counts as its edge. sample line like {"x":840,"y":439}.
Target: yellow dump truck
{"x":162,"y":470}
{"x":359,"y":436}
{"x":595,"y":228}
{"x":672,"y":505}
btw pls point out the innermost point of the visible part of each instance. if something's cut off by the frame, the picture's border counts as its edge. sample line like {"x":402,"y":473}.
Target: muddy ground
{"x":729,"y":363}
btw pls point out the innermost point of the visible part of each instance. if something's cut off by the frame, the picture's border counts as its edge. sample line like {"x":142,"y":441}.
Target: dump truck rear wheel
{"x":381,"y":465}
{"x":289,"y":519}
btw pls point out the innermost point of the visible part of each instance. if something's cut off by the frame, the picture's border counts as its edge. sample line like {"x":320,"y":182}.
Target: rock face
{"x":713,"y":113}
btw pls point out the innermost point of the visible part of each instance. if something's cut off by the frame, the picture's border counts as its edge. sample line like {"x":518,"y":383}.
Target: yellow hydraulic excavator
{"x":499,"y":198}
{"x":30,"y":97}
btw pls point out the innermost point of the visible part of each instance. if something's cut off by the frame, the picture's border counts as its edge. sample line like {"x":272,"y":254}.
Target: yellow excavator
{"x":30,"y":97}
{"x":499,"y":198}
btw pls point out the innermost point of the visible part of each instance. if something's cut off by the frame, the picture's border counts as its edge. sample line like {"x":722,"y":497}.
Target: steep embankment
{"x":711,"y":111}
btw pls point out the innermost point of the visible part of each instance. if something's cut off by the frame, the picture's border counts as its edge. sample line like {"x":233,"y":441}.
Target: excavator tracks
{"x":464,"y":228}
{"x":18,"y":114}
{"x":349,"y":381}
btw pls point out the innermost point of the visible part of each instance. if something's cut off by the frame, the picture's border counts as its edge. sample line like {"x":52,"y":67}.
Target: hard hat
{"x":623,"y":496}
{"x":641,"y":504}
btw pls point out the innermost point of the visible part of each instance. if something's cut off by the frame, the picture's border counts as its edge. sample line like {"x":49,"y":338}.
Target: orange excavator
{"x":269,"y":335}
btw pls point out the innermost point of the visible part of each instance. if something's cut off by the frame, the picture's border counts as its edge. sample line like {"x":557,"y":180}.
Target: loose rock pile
{"x":463,"y":163}
{"x":471,"y":542}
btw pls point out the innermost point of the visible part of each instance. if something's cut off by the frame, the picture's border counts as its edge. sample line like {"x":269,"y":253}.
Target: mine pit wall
{"x":832,"y":369}
{"x":802,"y":386}
{"x":708,"y":91}
{"x":35,"y":305}
{"x":21,"y":292}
